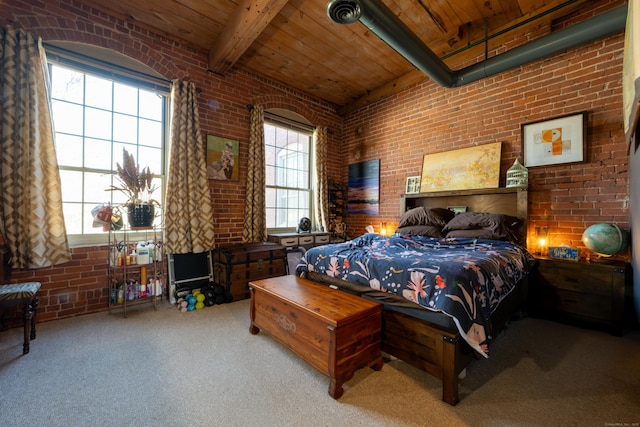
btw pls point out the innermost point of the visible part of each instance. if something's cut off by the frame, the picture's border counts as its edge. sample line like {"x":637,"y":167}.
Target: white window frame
{"x":292,"y":125}
{"x":107,"y":70}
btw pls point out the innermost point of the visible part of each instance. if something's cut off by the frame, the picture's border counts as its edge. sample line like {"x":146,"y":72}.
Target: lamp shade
{"x":605,"y":239}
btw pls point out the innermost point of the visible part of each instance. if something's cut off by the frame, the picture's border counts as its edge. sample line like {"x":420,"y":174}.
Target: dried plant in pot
{"x":137,"y":184}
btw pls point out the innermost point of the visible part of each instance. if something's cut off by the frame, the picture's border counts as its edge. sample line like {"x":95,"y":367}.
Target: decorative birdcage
{"x":517,"y":175}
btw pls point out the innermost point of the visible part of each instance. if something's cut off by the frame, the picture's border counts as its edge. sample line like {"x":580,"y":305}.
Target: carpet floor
{"x":204,"y":368}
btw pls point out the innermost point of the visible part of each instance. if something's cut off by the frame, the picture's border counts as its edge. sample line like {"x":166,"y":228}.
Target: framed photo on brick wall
{"x":413,"y":185}
{"x":555,"y":141}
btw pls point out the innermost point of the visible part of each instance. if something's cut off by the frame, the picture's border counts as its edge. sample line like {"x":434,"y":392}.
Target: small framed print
{"x":413,"y":185}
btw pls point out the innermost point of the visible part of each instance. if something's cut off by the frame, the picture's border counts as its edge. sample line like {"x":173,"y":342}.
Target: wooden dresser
{"x":335,"y":332}
{"x":587,"y":292}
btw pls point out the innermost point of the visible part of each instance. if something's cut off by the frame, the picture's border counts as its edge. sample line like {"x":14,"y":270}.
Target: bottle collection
{"x":134,"y":290}
{"x":133,"y":286}
{"x":141,"y":253}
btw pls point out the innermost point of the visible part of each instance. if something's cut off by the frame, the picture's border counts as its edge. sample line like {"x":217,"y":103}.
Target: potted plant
{"x":137,"y":185}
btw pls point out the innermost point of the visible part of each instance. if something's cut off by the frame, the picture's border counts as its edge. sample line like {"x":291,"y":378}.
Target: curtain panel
{"x":321,"y":212}
{"x":255,"y":211}
{"x":31,"y":216}
{"x":188,"y":210}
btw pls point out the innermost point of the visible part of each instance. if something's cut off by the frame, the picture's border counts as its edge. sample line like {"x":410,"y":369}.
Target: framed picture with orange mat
{"x":555,"y":141}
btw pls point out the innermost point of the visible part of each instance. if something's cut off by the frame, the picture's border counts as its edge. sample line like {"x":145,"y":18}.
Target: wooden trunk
{"x":335,"y":332}
{"x":236,"y":265}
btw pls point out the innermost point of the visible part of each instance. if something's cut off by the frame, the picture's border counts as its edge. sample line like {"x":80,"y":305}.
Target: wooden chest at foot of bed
{"x":335,"y":332}
{"x":235,"y":266}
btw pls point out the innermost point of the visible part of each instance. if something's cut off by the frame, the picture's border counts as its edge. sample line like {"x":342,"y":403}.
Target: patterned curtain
{"x":31,"y":217}
{"x":255,"y":221}
{"x":321,"y":214}
{"x":188,"y":210}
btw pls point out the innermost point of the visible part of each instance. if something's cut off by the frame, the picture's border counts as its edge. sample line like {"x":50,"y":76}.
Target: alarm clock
{"x":304,"y":225}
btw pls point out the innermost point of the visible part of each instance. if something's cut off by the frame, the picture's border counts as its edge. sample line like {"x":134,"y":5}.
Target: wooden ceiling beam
{"x":245,"y":25}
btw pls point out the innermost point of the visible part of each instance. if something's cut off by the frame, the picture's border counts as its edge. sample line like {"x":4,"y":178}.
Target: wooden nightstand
{"x":587,"y":292}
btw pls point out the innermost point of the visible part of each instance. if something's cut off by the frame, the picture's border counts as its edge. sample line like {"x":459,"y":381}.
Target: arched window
{"x":288,"y":158}
{"x":100,"y":108}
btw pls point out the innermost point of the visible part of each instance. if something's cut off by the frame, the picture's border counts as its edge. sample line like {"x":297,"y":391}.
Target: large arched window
{"x":100,"y":108}
{"x":289,"y":159}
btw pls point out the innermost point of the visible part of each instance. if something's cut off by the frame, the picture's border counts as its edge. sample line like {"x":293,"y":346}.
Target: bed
{"x":449,"y":282}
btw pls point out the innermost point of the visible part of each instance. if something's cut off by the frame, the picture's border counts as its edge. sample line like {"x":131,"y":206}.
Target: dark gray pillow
{"x":421,"y":230}
{"x":426,"y":216}
{"x":497,"y":226}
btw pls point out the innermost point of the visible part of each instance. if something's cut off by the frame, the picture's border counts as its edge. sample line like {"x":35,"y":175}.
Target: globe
{"x":605,"y":239}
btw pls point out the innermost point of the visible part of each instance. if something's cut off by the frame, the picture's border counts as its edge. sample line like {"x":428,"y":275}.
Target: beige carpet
{"x":166,"y":368}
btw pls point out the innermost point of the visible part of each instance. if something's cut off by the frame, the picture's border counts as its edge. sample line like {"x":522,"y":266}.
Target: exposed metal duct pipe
{"x":374,"y":15}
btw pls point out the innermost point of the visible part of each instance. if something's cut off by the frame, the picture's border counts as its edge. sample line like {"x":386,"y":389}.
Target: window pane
{"x":98,"y":92}
{"x":71,"y":182}
{"x":151,"y":105}
{"x":97,"y":123}
{"x":125,"y":99}
{"x":95,"y":186}
{"x":97,"y":154}
{"x":67,"y":85}
{"x":72,"y":217}
{"x":125,"y":128}
{"x":69,"y":150}
{"x":150,"y":133}
{"x":151,"y":157}
{"x":67,"y":117}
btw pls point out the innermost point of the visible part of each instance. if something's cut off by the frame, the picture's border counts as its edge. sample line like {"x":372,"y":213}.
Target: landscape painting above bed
{"x":467,"y":168}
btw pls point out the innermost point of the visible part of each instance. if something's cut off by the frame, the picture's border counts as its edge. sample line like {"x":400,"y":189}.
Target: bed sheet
{"x":463,"y":278}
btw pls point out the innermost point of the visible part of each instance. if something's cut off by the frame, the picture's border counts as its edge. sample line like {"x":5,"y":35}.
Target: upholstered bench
{"x":22,"y":294}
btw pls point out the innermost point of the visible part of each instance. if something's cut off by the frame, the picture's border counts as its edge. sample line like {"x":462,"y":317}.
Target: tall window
{"x":288,"y":178}
{"x":96,"y":115}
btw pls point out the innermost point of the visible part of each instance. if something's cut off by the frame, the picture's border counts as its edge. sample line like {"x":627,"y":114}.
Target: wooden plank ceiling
{"x":295,"y":42}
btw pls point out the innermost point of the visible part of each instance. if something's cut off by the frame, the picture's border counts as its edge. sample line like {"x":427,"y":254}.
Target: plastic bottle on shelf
{"x":159,"y":287}
{"x":151,"y":288}
{"x":142,"y":253}
{"x":151,"y":247}
{"x":134,"y":257}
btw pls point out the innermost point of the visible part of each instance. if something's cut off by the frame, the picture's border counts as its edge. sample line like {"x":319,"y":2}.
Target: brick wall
{"x":399,"y":131}
{"x":79,"y":287}
{"x":428,"y":119}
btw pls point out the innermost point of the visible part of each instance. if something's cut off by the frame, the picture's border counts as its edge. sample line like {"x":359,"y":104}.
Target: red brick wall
{"x":79,"y":287}
{"x":399,"y":131}
{"x":430,"y":119}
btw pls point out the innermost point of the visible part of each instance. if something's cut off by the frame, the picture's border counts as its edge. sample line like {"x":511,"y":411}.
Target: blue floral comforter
{"x":463,"y":278}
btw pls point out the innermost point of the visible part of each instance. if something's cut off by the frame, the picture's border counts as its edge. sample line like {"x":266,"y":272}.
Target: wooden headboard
{"x":510,"y":201}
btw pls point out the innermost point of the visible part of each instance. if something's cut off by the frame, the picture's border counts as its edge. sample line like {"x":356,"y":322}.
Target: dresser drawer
{"x":288,"y":241}
{"x":322,"y":239}
{"x":305,"y":240}
{"x":573,"y":276}
{"x":590,"y":292}
{"x":576,"y":303}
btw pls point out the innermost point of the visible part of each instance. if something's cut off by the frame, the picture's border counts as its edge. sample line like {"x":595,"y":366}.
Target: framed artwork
{"x":222,"y":158}
{"x":558,"y":140}
{"x":413,"y":185}
{"x":464,"y":169}
{"x":363,"y":192}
